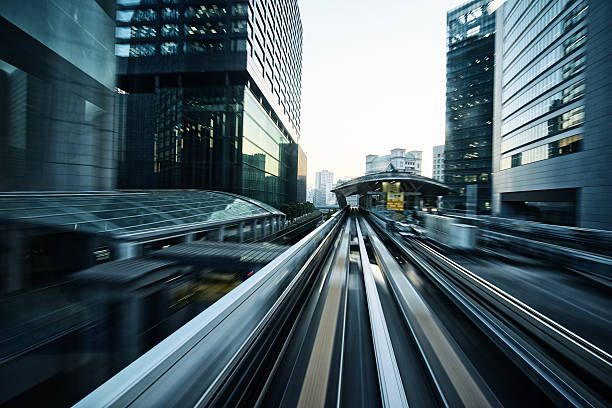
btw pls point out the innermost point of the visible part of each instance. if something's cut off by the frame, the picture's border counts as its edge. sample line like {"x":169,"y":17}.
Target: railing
{"x":189,"y":366}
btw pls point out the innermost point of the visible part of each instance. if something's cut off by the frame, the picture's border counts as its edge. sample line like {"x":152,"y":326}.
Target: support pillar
{"x":254,"y":228}
{"x":241,"y":232}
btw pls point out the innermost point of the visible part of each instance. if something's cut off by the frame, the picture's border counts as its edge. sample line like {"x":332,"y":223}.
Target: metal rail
{"x":187,"y":367}
{"x":495,"y":312}
{"x":455,"y":379}
{"x":391,"y":387}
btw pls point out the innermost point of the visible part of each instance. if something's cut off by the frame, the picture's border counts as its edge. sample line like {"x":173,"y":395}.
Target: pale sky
{"x":373,"y":78}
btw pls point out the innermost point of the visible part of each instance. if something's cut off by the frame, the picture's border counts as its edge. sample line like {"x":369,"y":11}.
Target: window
{"x":136,"y":15}
{"x":567,"y":145}
{"x":142,"y":32}
{"x":142,"y":50}
{"x":241,"y":9}
{"x":170,"y":30}
{"x":170,"y":14}
{"x":239,"y":26}
{"x":123,"y":32}
{"x":208,"y":28}
{"x":195,"y":47}
{"x":205,"y":11}
{"x":169,"y":48}
{"x":122,"y":50}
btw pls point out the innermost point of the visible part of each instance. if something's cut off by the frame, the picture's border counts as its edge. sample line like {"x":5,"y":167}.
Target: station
{"x":400,"y":192}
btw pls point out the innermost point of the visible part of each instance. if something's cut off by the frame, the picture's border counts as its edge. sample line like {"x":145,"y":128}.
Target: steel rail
{"x":587,"y":350}
{"x":392,"y":390}
{"x":564,"y":385}
{"x":193,"y":358}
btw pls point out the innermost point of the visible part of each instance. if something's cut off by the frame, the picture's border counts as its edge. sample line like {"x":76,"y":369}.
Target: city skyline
{"x":334,"y":59}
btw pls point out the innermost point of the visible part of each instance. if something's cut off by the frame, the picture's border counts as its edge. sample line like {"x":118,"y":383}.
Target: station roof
{"x":126,"y":213}
{"x":409,"y":183}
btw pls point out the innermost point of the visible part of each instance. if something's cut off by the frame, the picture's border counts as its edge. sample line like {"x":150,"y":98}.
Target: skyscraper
{"x":324,"y":182}
{"x":552,"y":147}
{"x":57,"y":87}
{"x":469,"y":103}
{"x":438,"y":163}
{"x":213,"y":95}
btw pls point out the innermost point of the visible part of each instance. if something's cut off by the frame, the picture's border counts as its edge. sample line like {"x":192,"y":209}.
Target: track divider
{"x":317,"y":378}
{"x":392,"y":392}
{"x":457,"y":381}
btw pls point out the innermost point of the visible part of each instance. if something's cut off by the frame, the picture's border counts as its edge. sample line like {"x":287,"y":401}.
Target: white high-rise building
{"x":398,"y":160}
{"x":438,"y":163}
{"x":324,"y":183}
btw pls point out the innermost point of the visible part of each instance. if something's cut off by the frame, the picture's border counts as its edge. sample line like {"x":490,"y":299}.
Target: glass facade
{"x":469,"y":103}
{"x":217,"y":124}
{"x":542,"y":129}
{"x":264,"y":155}
{"x":542,"y":81}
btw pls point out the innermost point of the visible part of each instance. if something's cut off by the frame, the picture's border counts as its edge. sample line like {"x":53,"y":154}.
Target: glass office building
{"x":552,"y":143}
{"x":211,"y":93}
{"x":57,"y":86}
{"x":469,"y":105}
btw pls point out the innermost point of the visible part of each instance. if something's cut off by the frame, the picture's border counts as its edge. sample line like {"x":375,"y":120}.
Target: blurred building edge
{"x":552,"y":144}
{"x":49,"y":235}
{"x":57,"y":87}
{"x":211,"y":97}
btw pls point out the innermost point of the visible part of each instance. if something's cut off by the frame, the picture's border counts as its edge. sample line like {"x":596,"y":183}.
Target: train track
{"x":356,"y":316}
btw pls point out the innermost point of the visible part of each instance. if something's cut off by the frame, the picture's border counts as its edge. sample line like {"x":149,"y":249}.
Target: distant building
{"x":552,"y":143}
{"x":398,"y":160}
{"x":469,"y":104}
{"x":438,"y":163}
{"x":324,"y":182}
{"x":310,"y":194}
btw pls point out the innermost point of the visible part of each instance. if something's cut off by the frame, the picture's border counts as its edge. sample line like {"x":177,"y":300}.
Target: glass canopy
{"x":119,"y":213}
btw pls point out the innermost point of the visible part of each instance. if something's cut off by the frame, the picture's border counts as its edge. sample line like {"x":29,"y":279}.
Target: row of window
{"x":539,"y":88}
{"x":511,"y":14}
{"x":172,"y":48}
{"x":555,"y":55}
{"x":527,"y":37}
{"x":568,"y":145}
{"x":173,"y":30}
{"x":167,"y":13}
{"x":466,"y":178}
{"x":567,"y":120}
{"x":558,"y":100}
{"x":534,"y":50}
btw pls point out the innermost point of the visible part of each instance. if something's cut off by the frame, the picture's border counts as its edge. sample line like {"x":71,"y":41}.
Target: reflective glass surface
{"x":125,"y":213}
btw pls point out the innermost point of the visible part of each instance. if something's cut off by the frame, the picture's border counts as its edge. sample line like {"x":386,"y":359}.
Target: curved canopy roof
{"x":373,"y":182}
{"x":126,"y":213}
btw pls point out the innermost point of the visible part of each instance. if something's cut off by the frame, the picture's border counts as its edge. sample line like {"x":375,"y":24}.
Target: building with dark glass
{"x":469,"y":105}
{"x":211,"y":95}
{"x":553,"y":146}
{"x":57,"y":87}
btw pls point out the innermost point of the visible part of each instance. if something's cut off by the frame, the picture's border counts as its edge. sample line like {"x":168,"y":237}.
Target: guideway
{"x":353,"y":316}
